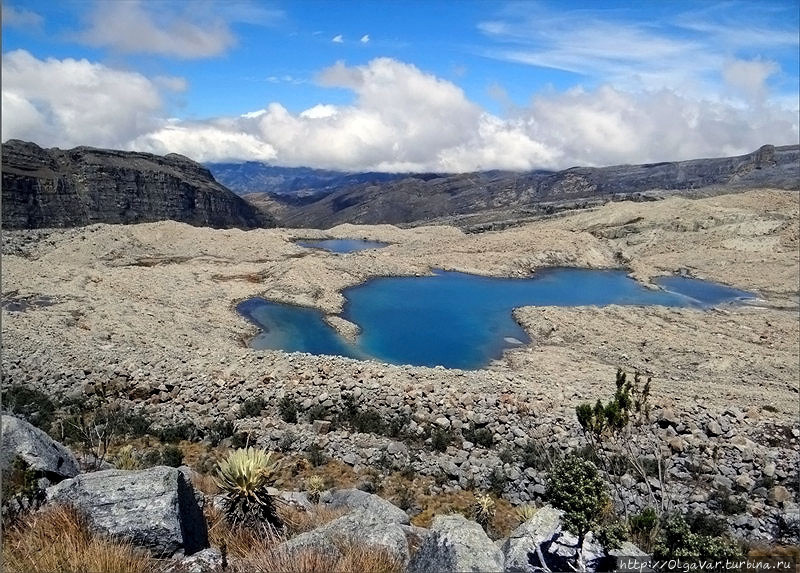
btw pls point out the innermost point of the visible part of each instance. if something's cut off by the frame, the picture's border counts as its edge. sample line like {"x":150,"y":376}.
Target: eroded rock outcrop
{"x":456,"y":544}
{"x":75,"y":187}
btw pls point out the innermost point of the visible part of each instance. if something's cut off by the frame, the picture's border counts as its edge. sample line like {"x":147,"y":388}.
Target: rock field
{"x":148,"y":310}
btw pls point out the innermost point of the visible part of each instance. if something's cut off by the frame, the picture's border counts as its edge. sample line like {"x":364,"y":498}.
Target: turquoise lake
{"x":341,"y":246}
{"x":459,"y":320}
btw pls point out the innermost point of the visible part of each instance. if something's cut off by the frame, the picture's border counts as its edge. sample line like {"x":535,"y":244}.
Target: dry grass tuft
{"x":350,"y":558}
{"x":298,"y":521}
{"x":58,"y":540}
{"x":237,"y":541}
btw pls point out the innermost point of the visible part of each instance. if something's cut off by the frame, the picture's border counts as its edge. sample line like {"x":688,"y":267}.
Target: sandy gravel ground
{"x":172,"y":288}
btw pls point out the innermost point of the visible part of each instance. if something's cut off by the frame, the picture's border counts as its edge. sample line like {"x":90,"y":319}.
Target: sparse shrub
{"x":287,"y":442}
{"x":252,"y":408}
{"x":244,"y":476}
{"x":318,"y":412}
{"x":678,"y":540}
{"x":127,"y":459}
{"x":575,"y":487}
{"x":728,"y":503}
{"x":479,"y":436}
{"x":176,"y":433}
{"x":507,"y":455}
{"x":483,"y":510}
{"x":315,"y":487}
{"x":240,"y":440}
{"x":535,"y":456}
{"x":440,"y":439}
{"x":172,"y":456}
{"x":35,"y":406}
{"x":706,"y":524}
{"x":21,"y":484}
{"x":287,"y":408}
{"x":396,"y":426}
{"x":316,"y":455}
{"x":498,"y":480}
{"x":151,"y":458}
{"x":220,"y":430}
{"x":367,"y":421}
{"x":611,"y":534}
{"x":644,"y":528}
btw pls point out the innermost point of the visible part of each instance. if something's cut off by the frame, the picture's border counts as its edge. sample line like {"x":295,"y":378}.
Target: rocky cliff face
{"x":81,"y":186}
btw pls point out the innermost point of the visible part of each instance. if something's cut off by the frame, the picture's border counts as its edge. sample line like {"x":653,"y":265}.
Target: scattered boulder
{"x":353,"y":499}
{"x":521,"y":546}
{"x":779,"y":494}
{"x":456,"y":544}
{"x":205,"y":561}
{"x":361,"y":527}
{"x":154,"y":508}
{"x":43,"y":454}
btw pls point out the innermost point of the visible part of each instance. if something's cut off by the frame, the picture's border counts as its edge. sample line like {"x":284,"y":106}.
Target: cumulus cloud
{"x":75,"y":102}
{"x":401,"y":119}
{"x":21,"y":18}
{"x":338,"y":39}
{"x":364,"y":39}
{"x":132,"y":27}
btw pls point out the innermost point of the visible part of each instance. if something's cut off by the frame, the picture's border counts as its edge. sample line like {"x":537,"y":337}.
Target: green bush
{"x":35,"y":406}
{"x":171,"y":456}
{"x":252,"y":408}
{"x":287,"y":408}
{"x":287,"y":442}
{"x":498,"y":481}
{"x":728,"y":503}
{"x":440,"y":439}
{"x":575,"y":487}
{"x":316,"y":455}
{"x":367,"y":421}
{"x":319,"y":412}
{"x":176,"y":433}
{"x":678,"y":540}
{"x":706,"y":524}
{"x":479,"y":436}
{"x":538,"y":457}
{"x":220,"y":430}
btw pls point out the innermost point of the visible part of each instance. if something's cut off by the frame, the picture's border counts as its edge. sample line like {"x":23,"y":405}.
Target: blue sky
{"x":417,"y":85}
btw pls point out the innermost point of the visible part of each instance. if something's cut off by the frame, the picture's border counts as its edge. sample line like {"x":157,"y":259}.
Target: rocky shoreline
{"x":142,"y":313}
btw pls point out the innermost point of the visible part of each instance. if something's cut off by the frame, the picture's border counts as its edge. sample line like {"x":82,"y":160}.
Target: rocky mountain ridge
{"x":69,"y":188}
{"x":499,"y":195}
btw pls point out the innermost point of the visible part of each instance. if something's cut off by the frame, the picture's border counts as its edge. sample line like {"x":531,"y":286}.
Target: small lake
{"x":341,"y":245}
{"x":459,"y":320}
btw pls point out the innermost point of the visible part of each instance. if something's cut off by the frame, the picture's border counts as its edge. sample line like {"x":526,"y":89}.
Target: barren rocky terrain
{"x":148,"y":310}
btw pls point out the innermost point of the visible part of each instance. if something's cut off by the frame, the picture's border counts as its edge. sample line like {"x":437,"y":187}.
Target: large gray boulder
{"x":360,"y":527}
{"x":154,"y":508}
{"x":456,"y":544}
{"x":353,"y":499}
{"x":43,"y":454}
{"x":521,"y":546}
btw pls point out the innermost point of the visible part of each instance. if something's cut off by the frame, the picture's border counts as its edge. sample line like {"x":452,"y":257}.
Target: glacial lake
{"x":459,"y":320}
{"x":341,"y":246}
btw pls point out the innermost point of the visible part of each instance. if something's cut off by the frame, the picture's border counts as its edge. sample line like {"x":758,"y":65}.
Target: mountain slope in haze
{"x":414,"y":199}
{"x":257,"y":177}
{"x":84,"y":185}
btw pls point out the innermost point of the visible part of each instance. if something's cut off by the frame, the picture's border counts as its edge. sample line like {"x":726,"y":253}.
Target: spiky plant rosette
{"x":245,"y":476}
{"x":483,"y":508}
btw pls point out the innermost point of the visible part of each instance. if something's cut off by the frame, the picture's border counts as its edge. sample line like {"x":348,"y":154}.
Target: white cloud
{"x":749,"y":77}
{"x":401,"y":119}
{"x":75,"y":102}
{"x":21,"y":18}
{"x":338,"y":39}
{"x":132,"y":27}
{"x":364,"y":39}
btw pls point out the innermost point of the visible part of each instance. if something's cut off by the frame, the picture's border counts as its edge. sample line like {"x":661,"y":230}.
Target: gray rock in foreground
{"x":40,"y":451}
{"x":153,"y":508}
{"x":353,"y":499}
{"x":360,"y":527}
{"x":456,"y":544}
{"x":521,"y":546}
